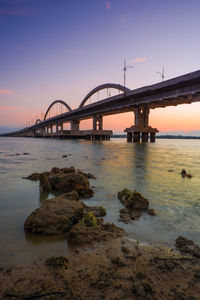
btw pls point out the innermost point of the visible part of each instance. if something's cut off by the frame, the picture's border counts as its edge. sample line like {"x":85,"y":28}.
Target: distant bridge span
{"x":180,"y":90}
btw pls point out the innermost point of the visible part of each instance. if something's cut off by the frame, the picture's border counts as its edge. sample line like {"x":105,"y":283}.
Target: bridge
{"x":180,"y":90}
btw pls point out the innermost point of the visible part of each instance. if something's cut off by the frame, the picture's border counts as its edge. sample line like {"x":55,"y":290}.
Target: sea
{"x":153,"y":169}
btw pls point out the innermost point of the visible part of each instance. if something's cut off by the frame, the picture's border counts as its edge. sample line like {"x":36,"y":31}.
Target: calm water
{"x":116,"y":164}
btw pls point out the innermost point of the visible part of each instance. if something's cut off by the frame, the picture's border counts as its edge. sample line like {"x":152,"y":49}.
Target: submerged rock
{"x":134,"y":204}
{"x":185,"y":174}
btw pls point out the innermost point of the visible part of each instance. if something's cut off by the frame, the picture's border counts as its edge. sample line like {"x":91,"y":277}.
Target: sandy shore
{"x":117,"y":269}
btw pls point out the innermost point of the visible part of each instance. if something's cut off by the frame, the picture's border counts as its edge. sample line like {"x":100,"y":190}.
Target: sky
{"x":62,"y":49}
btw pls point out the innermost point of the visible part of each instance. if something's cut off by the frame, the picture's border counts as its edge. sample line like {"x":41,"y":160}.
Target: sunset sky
{"x":62,"y":49}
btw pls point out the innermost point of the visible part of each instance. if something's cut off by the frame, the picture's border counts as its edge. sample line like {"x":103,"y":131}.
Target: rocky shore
{"x":103,"y":262}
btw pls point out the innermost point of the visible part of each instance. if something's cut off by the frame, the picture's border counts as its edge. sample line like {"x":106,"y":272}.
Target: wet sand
{"x":118,"y":269}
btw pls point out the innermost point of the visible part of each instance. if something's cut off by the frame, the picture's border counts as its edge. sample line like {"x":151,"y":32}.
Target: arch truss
{"x":55,"y":102}
{"x":102,"y":87}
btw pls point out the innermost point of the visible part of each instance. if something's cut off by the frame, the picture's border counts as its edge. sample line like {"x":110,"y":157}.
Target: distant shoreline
{"x":181,"y":137}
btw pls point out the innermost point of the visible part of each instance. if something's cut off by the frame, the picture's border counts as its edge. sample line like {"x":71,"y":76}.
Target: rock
{"x":134,"y":204}
{"x":81,"y":234}
{"x":68,"y":170}
{"x":151,"y":212}
{"x":55,"y":216}
{"x":188,"y":175}
{"x":133,"y":200}
{"x":183,"y":173}
{"x":73,"y":195}
{"x":57,"y":261}
{"x":138,"y":290}
{"x":124,"y":216}
{"x":88,"y":175}
{"x":64,"y":156}
{"x":45,"y":185}
{"x":67,"y":182}
{"x":99,"y":211}
{"x":118,"y":261}
{"x":196,"y":251}
{"x":89,"y":219}
{"x":33,"y":177}
{"x":26,"y":153}
{"x":64,"y":180}
{"x":183,"y":243}
{"x":56,"y":170}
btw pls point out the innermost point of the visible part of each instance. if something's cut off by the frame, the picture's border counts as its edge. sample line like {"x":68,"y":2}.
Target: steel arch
{"x":53,"y":103}
{"x":101,"y":87}
{"x":37,"y":121}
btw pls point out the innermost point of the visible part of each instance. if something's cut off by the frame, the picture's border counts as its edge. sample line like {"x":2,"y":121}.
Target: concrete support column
{"x":136,"y":137}
{"x":141,"y":117}
{"x":129,"y":136}
{"x":61,"y":128}
{"x":75,"y":125}
{"x":152,"y":137}
{"x":145,"y":137}
{"x":98,"y":122}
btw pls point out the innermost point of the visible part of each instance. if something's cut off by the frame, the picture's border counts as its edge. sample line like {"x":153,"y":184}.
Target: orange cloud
{"x":108,"y":6}
{"x":7,"y":107}
{"x":6,"y":92}
{"x":139,"y":59}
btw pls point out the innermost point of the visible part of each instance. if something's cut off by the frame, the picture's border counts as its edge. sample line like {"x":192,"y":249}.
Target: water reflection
{"x":116,"y":164}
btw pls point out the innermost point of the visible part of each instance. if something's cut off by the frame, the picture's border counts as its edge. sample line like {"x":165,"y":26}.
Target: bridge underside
{"x":74,"y":134}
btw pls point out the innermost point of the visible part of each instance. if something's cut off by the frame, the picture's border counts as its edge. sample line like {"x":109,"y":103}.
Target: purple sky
{"x":60,"y":49}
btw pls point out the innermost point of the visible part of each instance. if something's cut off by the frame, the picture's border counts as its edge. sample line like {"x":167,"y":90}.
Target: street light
{"x":162,"y":74}
{"x":125,"y":69}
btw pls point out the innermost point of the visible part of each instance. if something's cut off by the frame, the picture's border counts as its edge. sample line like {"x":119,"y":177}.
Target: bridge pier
{"x":141,"y":131}
{"x":97,"y":122}
{"x":75,"y":125}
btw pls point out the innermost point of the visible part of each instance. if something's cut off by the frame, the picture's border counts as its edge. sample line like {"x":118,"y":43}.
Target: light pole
{"x":125,"y":69}
{"x":162,"y":74}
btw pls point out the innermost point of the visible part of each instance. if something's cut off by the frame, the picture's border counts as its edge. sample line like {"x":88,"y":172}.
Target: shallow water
{"x":116,"y":164}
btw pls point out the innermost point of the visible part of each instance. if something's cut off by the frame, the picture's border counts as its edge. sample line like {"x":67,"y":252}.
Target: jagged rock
{"x":99,"y":211}
{"x":182,"y":242}
{"x":68,"y":170}
{"x":55,"y":216}
{"x":45,"y":185}
{"x":73,"y":195}
{"x":81,"y":234}
{"x":67,"y":182}
{"x":64,"y":180}
{"x":33,"y":177}
{"x":56,"y":170}
{"x":134,"y":204}
{"x":88,"y":175}
{"x":133,"y":200}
